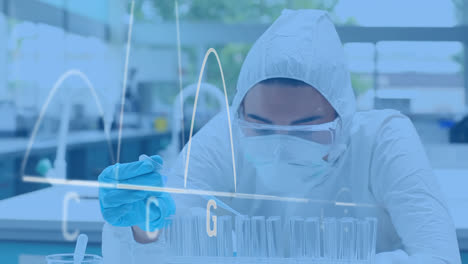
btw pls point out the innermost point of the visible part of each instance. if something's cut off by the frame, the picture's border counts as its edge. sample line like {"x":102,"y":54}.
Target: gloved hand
{"x":121,"y":207}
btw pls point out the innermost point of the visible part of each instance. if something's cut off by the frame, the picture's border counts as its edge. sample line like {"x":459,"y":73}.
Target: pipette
{"x":206,"y":197}
{"x":80,"y":249}
{"x":221,"y":204}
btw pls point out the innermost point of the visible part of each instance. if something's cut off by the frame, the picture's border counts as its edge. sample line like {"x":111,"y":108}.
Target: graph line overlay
{"x":189,"y":146}
{"x":95,"y":184}
{"x":51,"y":95}
{"x":124,"y":87}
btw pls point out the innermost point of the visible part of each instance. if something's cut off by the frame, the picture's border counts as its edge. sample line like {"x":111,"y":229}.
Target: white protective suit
{"x":379,"y":163}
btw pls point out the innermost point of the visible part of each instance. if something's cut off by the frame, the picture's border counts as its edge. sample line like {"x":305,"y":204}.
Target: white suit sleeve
{"x":403,"y":182}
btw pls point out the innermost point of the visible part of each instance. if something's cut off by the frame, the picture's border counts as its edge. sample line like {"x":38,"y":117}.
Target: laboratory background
{"x":87,"y":83}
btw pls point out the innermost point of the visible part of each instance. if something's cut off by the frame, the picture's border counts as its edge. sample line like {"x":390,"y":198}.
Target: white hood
{"x":305,"y":46}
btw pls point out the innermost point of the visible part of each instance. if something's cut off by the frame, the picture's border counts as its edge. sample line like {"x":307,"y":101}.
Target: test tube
{"x":174,"y":236}
{"x":166,"y":233}
{"x":224,"y":237}
{"x":363,"y":248}
{"x":195,"y":231}
{"x":296,"y":237}
{"x":330,"y":238}
{"x":258,"y":235}
{"x":208,"y":245}
{"x":347,"y":239}
{"x":274,"y":237}
{"x":373,"y":236}
{"x":202,"y":237}
{"x":243,"y":237}
{"x":185,"y":235}
{"x":312,"y":237}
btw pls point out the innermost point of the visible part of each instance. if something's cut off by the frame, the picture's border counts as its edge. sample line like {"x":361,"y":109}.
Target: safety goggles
{"x":321,"y":133}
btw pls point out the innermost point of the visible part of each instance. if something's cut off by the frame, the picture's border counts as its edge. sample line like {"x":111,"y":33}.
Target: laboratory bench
{"x":27,"y":235}
{"x":39,"y":226}
{"x":31,"y":223}
{"x":87,"y":154}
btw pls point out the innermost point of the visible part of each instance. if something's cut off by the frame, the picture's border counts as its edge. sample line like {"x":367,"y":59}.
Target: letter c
{"x":69,"y":196}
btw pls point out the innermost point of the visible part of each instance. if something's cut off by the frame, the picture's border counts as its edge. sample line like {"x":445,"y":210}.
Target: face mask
{"x":286,"y":163}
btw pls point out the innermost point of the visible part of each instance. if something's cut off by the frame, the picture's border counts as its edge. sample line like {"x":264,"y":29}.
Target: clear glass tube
{"x":347,"y":239}
{"x":207,"y":246}
{"x":330,"y":238}
{"x":224,"y":236}
{"x":363,"y":248}
{"x":296,"y":237}
{"x":373,"y":236}
{"x":166,"y":233}
{"x":211,"y":242}
{"x":195,"y":232}
{"x":186,"y":236}
{"x":173,"y":232}
{"x":312,"y":237}
{"x":258,"y":229}
{"x":243,"y":236}
{"x":274,"y":237}
{"x":366,"y":232}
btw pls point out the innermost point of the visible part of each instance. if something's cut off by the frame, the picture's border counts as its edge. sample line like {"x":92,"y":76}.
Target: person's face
{"x":285,"y":105}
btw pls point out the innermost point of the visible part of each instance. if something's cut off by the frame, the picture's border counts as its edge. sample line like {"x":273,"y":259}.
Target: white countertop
{"x":15,"y":145}
{"x":37,"y":216}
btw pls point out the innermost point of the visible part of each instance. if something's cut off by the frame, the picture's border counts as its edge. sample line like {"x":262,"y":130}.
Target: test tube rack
{"x":257,"y":239}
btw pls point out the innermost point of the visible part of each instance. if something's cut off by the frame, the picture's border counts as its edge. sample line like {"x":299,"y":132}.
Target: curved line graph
{"x":51,"y":95}
{"x":189,"y":147}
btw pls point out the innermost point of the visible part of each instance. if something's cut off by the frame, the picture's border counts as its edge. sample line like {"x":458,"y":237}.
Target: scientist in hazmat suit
{"x":295,"y":133}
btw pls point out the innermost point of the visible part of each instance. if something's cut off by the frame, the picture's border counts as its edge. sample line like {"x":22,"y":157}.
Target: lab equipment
{"x":80,"y":248}
{"x":265,"y":240}
{"x":59,"y":168}
{"x":243,"y":236}
{"x":225,"y":239}
{"x":330,"y":249}
{"x":275,"y":237}
{"x":347,"y":238}
{"x":258,"y":231}
{"x":372,"y":237}
{"x":296,"y":237}
{"x":312,"y":237}
{"x":69,"y":259}
{"x":118,"y":206}
{"x":78,"y":257}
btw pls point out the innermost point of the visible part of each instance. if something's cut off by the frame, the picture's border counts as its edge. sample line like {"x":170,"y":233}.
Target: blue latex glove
{"x":121,"y":207}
